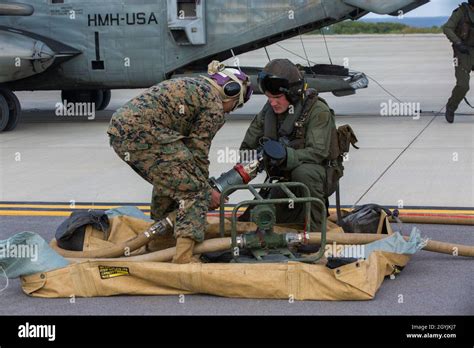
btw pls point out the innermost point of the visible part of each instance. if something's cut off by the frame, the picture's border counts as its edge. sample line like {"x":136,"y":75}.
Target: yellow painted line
{"x":43,"y":206}
{"x":68,"y":213}
{"x":77,"y":206}
{"x":36,"y":213}
{"x":52,"y":213}
{"x":33,"y":213}
{"x":144,"y":207}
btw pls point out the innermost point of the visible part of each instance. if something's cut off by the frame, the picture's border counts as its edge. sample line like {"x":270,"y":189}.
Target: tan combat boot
{"x":184,"y":250}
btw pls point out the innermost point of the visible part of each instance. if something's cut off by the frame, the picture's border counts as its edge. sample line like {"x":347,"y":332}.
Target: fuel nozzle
{"x":162,"y":227}
{"x":241,"y":174}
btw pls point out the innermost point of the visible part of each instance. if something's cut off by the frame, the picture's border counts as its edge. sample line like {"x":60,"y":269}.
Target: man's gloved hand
{"x":461,"y":47}
{"x":275,"y":152}
{"x":216,"y":200}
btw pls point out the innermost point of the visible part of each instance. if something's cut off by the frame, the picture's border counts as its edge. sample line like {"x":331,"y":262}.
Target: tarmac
{"x":431,"y":284}
{"x":404,"y":161}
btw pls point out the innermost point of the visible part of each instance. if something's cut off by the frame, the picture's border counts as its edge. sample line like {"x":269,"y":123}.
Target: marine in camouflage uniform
{"x":165,"y":135}
{"x":304,"y":163}
{"x":460,"y":31}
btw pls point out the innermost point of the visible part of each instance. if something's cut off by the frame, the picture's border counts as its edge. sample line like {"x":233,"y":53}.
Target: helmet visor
{"x":272,"y":84}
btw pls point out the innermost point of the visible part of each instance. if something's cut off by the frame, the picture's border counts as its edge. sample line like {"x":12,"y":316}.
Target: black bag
{"x":70,"y":234}
{"x":346,"y":138}
{"x":363,"y":219}
{"x":341,"y":141}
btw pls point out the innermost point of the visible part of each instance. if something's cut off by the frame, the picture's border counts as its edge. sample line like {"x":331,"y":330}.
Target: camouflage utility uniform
{"x":165,"y":135}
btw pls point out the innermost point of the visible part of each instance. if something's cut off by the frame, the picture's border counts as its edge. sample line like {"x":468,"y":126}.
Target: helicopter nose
{"x":16,"y":10}
{"x":29,"y":56}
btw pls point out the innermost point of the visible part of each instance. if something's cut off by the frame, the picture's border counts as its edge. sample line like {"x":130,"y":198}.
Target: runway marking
{"x":67,"y":206}
{"x":58,"y":209}
{"x":33,"y":213}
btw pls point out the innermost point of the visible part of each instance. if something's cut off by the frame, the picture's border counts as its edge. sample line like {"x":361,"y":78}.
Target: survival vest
{"x":294,"y":129}
{"x":465,"y":28}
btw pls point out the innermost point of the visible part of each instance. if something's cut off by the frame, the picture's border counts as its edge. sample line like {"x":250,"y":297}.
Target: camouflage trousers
{"x":178,"y":184}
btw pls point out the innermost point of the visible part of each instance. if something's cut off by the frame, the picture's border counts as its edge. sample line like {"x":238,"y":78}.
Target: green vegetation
{"x":357,"y":27}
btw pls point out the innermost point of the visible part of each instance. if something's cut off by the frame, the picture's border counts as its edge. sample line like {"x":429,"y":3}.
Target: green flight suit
{"x":464,"y":63}
{"x":306,"y":165}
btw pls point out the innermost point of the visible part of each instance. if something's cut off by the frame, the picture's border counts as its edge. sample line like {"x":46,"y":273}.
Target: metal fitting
{"x":161,"y":228}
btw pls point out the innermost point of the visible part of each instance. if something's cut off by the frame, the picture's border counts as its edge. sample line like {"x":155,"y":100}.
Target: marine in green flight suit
{"x":460,"y":31}
{"x":307,"y":147}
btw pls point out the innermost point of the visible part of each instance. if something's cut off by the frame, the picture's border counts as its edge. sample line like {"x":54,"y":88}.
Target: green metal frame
{"x":259,"y":200}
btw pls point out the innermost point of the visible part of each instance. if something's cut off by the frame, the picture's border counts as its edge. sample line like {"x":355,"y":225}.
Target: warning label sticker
{"x":107,"y":272}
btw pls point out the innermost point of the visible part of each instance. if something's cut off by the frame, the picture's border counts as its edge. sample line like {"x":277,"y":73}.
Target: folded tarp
{"x":298,"y":281}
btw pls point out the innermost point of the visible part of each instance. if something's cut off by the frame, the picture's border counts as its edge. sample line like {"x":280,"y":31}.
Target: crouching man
{"x":165,"y":135}
{"x":305,"y":125}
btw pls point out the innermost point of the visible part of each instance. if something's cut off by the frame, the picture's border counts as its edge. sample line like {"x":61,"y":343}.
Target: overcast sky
{"x":434,"y":8}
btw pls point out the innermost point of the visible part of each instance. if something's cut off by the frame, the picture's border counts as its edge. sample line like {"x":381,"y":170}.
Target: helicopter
{"x":86,"y":48}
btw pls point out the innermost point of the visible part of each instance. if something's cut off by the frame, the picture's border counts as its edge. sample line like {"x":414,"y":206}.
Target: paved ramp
{"x":404,"y":161}
{"x":431,"y":284}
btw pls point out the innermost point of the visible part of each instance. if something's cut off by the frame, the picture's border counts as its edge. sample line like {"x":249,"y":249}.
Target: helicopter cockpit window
{"x":187,"y":8}
{"x":187,"y":21}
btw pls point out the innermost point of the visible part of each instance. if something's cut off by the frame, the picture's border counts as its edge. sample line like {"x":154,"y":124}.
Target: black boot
{"x":449,"y":114}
